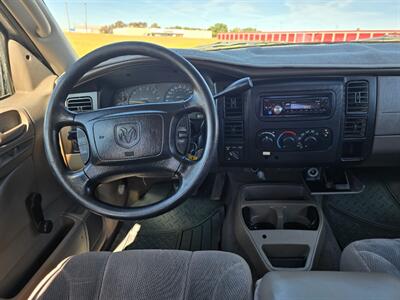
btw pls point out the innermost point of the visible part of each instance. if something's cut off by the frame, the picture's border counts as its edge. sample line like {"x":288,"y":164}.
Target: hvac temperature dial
{"x":287,"y":140}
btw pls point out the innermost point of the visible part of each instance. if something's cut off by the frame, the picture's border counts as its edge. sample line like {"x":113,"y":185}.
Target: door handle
{"x":12,"y":134}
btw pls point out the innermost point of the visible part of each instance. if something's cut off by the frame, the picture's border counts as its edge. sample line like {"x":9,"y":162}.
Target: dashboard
{"x":316,"y":114}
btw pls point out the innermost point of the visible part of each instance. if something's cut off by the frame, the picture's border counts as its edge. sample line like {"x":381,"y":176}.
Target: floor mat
{"x":374,"y":213}
{"x":329,"y":257}
{"x":194,"y":225}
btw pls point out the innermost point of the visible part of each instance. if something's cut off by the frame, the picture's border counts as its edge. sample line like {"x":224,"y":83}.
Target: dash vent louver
{"x":233,"y":123}
{"x":79,"y":104}
{"x":233,"y":107}
{"x":233,"y":130}
{"x":355,"y":127}
{"x":357,"y":97}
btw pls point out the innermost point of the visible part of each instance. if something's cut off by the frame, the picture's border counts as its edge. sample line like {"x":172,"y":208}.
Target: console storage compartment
{"x":287,"y":256}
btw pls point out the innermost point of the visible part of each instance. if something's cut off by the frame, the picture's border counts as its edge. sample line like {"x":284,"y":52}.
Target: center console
{"x":298,"y":123}
{"x":278,"y":226}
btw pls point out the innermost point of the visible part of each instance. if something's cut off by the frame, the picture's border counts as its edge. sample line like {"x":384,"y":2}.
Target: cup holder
{"x":291,"y":217}
{"x":260,"y":218}
{"x":305,"y":218}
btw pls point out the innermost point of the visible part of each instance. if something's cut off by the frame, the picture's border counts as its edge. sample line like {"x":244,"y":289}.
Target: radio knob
{"x":287,"y":140}
{"x":277,"y":109}
{"x":267,"y":140}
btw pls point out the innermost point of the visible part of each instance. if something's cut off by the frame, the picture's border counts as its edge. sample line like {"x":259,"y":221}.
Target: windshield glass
{"x":226,"y":24}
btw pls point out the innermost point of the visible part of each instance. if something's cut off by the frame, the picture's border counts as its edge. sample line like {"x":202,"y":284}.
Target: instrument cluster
{"x":153,"y":92}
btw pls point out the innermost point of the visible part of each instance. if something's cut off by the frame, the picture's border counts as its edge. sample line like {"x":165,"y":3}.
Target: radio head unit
{"x":296,"y":105}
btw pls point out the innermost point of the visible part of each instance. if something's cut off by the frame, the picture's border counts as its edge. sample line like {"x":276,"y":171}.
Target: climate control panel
{"x":294,"y":140}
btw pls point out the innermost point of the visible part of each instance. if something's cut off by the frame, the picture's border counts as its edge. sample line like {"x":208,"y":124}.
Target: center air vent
{"x":233,"y":131}
{"x":357,"y":97}
{"x":233,"y":107}
{"x":233,"y":128}
{"x":355,"y":127}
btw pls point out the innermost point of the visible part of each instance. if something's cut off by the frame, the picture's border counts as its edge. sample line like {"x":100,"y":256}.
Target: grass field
{"x":86,"y":42}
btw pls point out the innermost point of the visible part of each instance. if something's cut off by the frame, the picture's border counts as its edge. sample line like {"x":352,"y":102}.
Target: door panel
{"x":27,"y":185}
{"x":24,"y":170}
{"x":22,"y":247}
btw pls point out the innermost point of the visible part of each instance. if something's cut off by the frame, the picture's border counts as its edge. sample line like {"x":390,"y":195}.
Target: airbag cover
{"x":130,"y":138}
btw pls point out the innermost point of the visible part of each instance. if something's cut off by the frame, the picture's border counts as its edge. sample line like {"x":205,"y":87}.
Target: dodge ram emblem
{"x":127,"y":135}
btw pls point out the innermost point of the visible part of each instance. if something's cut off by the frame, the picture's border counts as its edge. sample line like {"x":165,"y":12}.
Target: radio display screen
{"x":301,"y":106}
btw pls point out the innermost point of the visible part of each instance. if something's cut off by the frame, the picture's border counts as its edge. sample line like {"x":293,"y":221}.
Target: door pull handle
{"x":12,"y":134}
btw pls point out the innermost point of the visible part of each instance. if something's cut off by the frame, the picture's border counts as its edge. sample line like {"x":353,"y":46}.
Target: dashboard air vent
{"x":233,"y":107}
{"x":355,"y":127}
{"x":233,"y":130}
{"x":357,"y":97}
{"x":80,"y":104}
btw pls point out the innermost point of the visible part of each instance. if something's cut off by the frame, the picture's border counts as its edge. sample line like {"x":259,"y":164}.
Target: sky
{"x":265,"y":15}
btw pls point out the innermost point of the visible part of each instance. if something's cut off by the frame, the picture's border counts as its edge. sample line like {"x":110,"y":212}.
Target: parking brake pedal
{"x":34,"y":206}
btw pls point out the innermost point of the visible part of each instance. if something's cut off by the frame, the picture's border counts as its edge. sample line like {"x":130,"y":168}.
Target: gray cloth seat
{"x":149,"y":274}
{"x":374,"y":255}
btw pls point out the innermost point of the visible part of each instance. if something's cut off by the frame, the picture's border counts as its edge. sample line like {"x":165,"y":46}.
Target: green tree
{"x":249,"y":29}
{"x":175,"y":27}
{"x":106,"y":29}
{"x":218,"y":28}
{"x":155,"y":25}
{"x":138,"y":24}
{"x":119,"y":24}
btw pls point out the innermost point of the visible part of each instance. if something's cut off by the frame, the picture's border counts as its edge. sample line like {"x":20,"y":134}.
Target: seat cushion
{"x":374,"y":255}
{"x":149,"y":274}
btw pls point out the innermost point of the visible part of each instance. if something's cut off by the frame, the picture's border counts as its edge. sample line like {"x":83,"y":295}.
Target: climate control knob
{"x":266,"y":140}
{"x":287,"y":140}
{"x":310,"y":142}
{"x":310,"y":139}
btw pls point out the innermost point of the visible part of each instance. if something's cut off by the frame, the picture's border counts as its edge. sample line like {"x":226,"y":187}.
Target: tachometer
{"x":179,"y":92}
{"x":121,"y":97}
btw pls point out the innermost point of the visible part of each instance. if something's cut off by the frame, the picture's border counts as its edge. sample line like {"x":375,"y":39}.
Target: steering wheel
{"x":129,"y":140}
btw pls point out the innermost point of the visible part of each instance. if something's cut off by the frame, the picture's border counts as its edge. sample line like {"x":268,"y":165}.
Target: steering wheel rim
{"x":105,"y":164}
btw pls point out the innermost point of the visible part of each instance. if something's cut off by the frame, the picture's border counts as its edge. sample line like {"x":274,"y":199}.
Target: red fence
{"x":307,"y":36}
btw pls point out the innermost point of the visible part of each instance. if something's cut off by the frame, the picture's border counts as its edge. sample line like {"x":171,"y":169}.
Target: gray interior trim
{"x":327,"y":286}
{"x":54,"y":47}
{"x":388,"y":106}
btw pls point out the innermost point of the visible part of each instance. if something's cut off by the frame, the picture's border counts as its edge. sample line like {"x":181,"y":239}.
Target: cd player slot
{"x":275,"y":106}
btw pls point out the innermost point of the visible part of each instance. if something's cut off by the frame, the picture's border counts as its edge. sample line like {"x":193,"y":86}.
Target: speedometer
{"x":179,"y":92}
{"x":139,"y":94}
{"x":144,"y":94}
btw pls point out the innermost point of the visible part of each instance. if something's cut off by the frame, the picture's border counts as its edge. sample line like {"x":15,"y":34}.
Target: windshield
{"x":223,"y":24}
